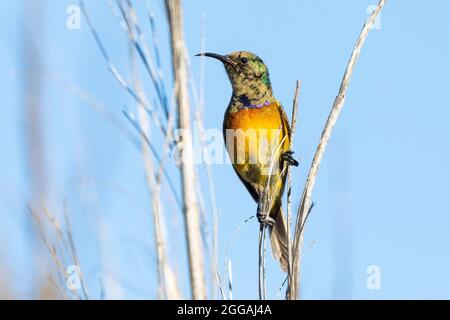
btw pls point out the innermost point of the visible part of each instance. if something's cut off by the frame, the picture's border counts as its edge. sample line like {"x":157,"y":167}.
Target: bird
{"x":256,"y":131}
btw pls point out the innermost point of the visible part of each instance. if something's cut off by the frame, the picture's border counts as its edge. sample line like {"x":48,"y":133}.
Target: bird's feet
{"x":264,"y":218}
{"x":289,"y":158}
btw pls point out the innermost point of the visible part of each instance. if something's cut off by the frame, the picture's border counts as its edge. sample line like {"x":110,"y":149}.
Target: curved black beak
{"x":224,"y":59}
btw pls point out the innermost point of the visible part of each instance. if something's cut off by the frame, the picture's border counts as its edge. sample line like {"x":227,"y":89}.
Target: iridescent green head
{"x":247,"y":73}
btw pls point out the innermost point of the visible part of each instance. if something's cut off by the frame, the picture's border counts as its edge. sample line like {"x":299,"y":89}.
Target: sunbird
{"x":260,"y":157}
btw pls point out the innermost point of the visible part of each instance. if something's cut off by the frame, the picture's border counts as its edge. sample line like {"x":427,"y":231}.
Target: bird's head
{"x":247,"y":72}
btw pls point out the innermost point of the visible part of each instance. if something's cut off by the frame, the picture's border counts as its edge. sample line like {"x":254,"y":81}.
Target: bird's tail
{"x":278,"y":238}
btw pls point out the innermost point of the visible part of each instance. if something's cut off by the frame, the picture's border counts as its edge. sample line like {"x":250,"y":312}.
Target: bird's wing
{"x":285,"y":122}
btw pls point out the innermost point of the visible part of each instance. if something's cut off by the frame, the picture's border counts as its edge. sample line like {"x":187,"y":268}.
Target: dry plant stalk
{"x":264,"y":205}
{"x":262,"y":262}
{"x":214,"y":238}
{"x":149,"y":175}
{"x":167,"y":283}
{"x":191,"y":213}
{"x":62,"y":251}
{"x":305,"y":204}
{"x":289,"y":179}
{"x":126,"y":14}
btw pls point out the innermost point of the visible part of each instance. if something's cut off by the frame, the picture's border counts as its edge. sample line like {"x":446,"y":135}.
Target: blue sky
{"x":383,"y":188}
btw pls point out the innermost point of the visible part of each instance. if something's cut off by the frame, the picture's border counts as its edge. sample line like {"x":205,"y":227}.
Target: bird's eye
{"x":244,"y":60}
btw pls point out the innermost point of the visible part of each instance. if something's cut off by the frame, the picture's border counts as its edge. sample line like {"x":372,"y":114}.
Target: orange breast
{"x":267,"y":117}
{"x":255,"y":138}
{"x":267,"y":123}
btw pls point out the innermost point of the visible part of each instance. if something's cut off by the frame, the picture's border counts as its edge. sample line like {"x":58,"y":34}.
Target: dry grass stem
{"x":191,"y":212}
{"x":306,"y":202}
{"x":289,"y":183}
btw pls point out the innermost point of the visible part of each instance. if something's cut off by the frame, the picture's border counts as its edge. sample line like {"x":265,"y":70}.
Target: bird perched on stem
{"x":256,"y":132}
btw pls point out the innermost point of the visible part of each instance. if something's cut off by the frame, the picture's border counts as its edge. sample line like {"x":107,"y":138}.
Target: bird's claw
{"x":288,"y":157}
{"x":264,"y":219}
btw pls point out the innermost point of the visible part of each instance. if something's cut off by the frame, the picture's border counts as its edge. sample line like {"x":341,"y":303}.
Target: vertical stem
{"x":150,"y":178}
{"x":289,"y":190}
{"x":262,"y":263}
{"x":230,"y":281}
{"x":191,"y":214}
{"x":305,"y":203}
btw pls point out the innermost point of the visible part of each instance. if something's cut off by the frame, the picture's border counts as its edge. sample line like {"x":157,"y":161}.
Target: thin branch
{"x":289,"y":182}
{"x":234,"y":236}
{"x":73,"y":253}
{"x":136,"y":125}
{"x":191,"y":213}
{"x":156,"y":49}
{"x":264,"y":205}
{"x":66,"y":247}
{"x":167,"y":280}
{"x":261,"y":263}
{"x":228,"y":250}
{"x":138,"y":40}
{"x":170,"y":279}
{"x":199,"y":114}
{"x":57,"y":287}
{"x":305,"y":203}
{"x":150,"y":176}
{"x":219,"y":284}
{"x":103,"y":111}
{"x":141,"y":100}
{"x":230,"y":281}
